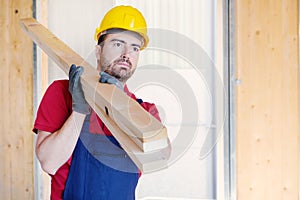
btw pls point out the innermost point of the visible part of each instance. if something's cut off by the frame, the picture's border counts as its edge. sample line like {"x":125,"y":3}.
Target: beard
{"x":119,"y":72}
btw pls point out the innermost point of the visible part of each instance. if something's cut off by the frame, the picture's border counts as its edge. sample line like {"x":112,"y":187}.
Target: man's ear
{"x":98,"y":49}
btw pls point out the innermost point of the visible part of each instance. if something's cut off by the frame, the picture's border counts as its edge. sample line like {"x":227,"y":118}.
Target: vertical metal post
{"x":229,"y":82}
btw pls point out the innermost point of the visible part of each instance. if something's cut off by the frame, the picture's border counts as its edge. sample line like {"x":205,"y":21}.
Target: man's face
{"x":119,"y":55}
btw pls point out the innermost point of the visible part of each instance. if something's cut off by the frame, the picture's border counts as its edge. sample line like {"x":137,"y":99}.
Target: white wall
{"x":74,"y":22}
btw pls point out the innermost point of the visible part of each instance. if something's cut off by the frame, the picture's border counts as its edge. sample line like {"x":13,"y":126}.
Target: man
{"x":73,"y":145}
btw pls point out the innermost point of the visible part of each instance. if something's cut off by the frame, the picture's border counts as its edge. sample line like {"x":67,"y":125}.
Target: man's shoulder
{"x":60,"y":84}
{"x":58,"y":89}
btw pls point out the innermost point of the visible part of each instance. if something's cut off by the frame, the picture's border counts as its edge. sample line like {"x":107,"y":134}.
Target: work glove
{"x":79,"y":104}
{"x":106,"y":78}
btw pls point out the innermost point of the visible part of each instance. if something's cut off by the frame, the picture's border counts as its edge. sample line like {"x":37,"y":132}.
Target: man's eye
{"x":136,"y":49}
{"x":117,"y":44}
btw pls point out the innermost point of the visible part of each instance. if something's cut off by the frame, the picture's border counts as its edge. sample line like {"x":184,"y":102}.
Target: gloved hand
{"x":106,"y":78}
{"x":79,"y":104}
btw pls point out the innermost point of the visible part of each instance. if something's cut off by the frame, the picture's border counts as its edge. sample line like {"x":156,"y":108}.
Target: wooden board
{"x":267,"y":110}
{"x":16,"y":103}
{"x":128,"y":121}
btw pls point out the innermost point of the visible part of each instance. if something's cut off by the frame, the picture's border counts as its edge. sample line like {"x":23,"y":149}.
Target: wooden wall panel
{"x":267,"y":117}
{"x":44,"y":57}
{"x":16,"y":103}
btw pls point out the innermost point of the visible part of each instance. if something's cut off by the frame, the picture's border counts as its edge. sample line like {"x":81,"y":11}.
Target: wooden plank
{"x":146,"y":161}
{"x":267,"y":142}
{"x":16,"y":105}
{"x":127,"y":116}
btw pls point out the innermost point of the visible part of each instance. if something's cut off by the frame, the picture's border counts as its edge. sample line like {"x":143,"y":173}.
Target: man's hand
{"x":106,"y":78}
{"x":79,"y":104}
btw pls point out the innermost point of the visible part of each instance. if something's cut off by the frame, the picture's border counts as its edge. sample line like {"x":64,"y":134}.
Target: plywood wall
{"x":267,"y":143}
{"x":16,"y":103}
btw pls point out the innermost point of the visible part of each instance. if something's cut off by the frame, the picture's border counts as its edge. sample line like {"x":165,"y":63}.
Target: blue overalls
{"x":100,"y":169}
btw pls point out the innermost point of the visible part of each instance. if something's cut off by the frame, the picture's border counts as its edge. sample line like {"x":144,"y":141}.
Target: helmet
{"x":124,"y":17}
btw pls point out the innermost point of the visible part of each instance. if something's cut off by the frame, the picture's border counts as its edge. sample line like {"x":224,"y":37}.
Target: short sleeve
{"x":55,"y":107}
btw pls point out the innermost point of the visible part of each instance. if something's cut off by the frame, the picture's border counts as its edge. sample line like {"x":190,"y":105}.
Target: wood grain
{"x":267,"y":141}
{"x":16,"y":103}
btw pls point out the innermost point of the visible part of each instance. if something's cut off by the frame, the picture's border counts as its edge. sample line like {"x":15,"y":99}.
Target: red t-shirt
{"x":54,"y":110}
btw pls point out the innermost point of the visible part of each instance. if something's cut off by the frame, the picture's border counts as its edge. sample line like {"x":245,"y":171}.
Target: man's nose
{"x":125,"y":53}
{"x":124,"y":57}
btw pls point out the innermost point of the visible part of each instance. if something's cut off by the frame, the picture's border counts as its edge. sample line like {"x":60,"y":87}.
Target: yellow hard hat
{"x":124,"y":17}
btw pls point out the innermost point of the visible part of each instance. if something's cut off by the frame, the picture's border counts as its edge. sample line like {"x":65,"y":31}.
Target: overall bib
{"x":100,"y":169}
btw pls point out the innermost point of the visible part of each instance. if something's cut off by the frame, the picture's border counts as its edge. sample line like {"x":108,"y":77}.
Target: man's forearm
{"x":54,"y":149}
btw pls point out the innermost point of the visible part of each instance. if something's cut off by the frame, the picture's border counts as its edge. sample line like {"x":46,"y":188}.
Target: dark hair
{"x":116,"y":30}
{"x":101,"y":39}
